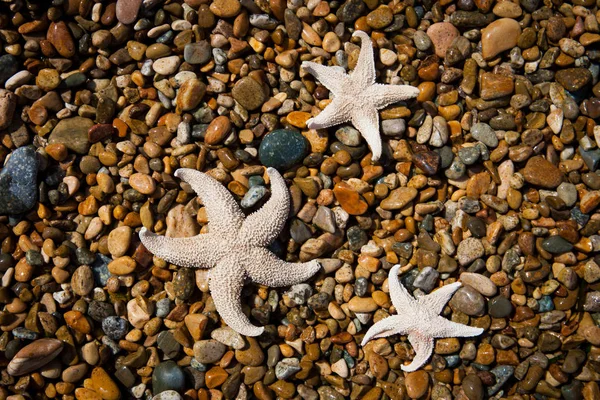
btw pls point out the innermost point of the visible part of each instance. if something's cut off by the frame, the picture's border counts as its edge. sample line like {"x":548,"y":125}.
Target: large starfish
{"x":419,"y":320}
{"x":356,"y":96}
{"x":234,"y":247}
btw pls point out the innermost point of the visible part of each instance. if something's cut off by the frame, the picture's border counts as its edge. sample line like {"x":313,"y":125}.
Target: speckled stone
{"x":18,"y":189}
{"x":73,"y":133}
{"x":282,"y":148}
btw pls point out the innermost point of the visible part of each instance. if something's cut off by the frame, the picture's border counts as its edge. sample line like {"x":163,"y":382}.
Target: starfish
{"x":356,"y":96}
{"x":420,"y":320}
{"x":234,"y":247}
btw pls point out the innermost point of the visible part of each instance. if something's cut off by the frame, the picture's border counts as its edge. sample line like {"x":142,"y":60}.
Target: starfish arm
{"x":423,"y":346}
{"x":366,"y":120}
{"x":265,"y":268}
{"x":222,"y":210}
{"x":337,"y":112}
{"x":364,"y":72}
{"x":262,"y":226}
{"x":401,"y":299}
{"x":438,"y":299}
{"x":200,"y":251}
{"x":226,"y":284}
{"x":333,"y":78}
{"x":386,"y":327}
{"x":384,"y":95}
{"x":445,"y":328}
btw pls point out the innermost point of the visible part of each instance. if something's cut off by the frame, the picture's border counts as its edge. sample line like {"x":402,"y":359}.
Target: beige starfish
{"x":356,"y":96}
{"x":419,"y":319}
{"x":234,"y":247}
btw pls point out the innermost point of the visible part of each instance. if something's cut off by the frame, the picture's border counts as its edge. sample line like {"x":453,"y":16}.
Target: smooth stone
{"x":468,"y":301}
{"x":228,"y":337}
{"x":249,"y":93}
{"x":485,"y":134}
{"x":282,"y":149}
{"x":469,"y":250}
{"x":253,"y":196}
{"x":539,"y":171}
{"x":33,"y":356}
{"x":500,"y":307}
{"x":209,"y":351}
{"x":104,"y":385}
{"x":167,"y":376}
{"x":18,"y":188}
{"x":498,"y":36}
{"x":197,"y":53}
{"x":556,"y":245}
{"x":8,"y":103}
{"x":481,"y":283}
{"x":73,"y":133}
{"x":442,"y":34}
{"x":127,"y":10}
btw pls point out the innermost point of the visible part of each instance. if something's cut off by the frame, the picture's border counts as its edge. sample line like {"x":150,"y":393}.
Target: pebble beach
{"x":489,"y":177}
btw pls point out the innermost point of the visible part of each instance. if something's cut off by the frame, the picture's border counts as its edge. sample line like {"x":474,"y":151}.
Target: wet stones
{"x":573,"y":79}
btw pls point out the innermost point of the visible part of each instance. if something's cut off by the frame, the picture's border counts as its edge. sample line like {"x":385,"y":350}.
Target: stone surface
{"x":282,"y":149}
{"x":499,"y":36}
{"x":18,"y":189}
{"x":73,"y":133}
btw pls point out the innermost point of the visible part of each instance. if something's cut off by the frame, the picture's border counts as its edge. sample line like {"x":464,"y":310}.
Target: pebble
{"x":127,"y":11}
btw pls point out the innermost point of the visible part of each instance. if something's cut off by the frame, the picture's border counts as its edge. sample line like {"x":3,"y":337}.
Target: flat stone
{"x":573,"y":79}
{"x":8,"y":103}
{"x":167,"y":376}
{"x":73,"y":133}
{"x":485,"y":134}
{"x":209,"y":351}
{"x":469,"y":250}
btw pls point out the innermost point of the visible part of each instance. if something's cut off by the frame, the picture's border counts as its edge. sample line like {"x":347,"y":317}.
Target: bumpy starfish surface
{"x":234,"y":247}
{"x":356,"y":96}
{"x":419,"y":319}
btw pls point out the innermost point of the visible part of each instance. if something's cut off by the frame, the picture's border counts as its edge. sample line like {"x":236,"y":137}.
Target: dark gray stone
{"x":18,"y":182}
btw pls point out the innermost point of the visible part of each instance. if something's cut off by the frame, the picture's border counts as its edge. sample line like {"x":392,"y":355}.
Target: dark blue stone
{"x":9,"y":65}
{"x":282,"y":149}
{"x":18,"y":182}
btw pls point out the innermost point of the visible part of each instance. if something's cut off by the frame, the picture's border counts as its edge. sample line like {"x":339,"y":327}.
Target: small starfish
{"x":234,"y":247}
{"x":356,"y":96}
{"x":419,"y":319}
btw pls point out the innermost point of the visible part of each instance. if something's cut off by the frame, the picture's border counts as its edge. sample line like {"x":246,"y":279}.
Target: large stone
{"x":442,"y":34}
{"x":18,"y":183}
{"x":573,"y":79}
{"x":282,"y":149}
{"x":34,"y":356}
{"x":73,"y":133}
{"x":541,"y":172}
{"x":249,"y":93}
{"x":498,"y":36}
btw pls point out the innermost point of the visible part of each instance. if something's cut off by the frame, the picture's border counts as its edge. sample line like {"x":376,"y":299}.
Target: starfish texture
{"x":234,"y":247}
{"x":419,"y":320}
{"x":356,"y":96}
